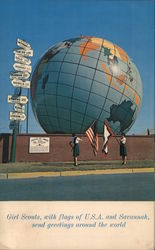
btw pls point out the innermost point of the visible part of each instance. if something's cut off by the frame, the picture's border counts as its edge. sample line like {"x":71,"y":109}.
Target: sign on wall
{"x":39,"y":145}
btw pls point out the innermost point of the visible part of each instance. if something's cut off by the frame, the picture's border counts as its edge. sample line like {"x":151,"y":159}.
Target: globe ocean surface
{"x":82,"y":80}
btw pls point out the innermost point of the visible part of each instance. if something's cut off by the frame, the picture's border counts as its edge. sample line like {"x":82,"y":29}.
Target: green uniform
{"x":123,"y":151}
{"x":76,"y":150}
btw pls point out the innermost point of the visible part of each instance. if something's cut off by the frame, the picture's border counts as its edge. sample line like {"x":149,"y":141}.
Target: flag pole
{"x":116,"y":139}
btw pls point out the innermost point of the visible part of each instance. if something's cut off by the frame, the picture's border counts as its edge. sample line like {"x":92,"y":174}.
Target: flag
{"x":107,"y":134}
{"x":93,"y":137}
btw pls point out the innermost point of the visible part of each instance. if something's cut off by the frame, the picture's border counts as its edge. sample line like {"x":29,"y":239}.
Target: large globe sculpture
{"x":82,"y":80}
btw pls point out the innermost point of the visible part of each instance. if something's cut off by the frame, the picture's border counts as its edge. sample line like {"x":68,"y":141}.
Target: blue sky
{"x":129,"y":24}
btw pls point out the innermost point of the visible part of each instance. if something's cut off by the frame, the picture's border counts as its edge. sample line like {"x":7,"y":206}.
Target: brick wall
{"x":138,"y":148}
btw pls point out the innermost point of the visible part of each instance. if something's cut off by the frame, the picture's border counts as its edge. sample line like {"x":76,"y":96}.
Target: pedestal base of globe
{"x":82,"y":80}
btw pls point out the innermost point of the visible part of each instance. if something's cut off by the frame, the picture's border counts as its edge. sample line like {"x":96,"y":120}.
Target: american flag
{"x":107,"y":134}
{"x":93,"y":137}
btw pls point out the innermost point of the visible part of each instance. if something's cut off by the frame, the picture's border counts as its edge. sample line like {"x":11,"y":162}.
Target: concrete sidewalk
{"x":52,"y":169}
{"x":75,"y":173}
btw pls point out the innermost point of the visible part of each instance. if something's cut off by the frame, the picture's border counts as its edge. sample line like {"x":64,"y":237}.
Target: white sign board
{"x":19,"y":108}
{"x":19,"y":75}
{"x":20,"y":84}
{"x":39,"y":145}
{"x":22,"y":67}
{"x":17,"y":116}
{"x":21,"y":59}
{"x":23,"y":44}
{"x":23,"y":52}
{"x":20,"y":99}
